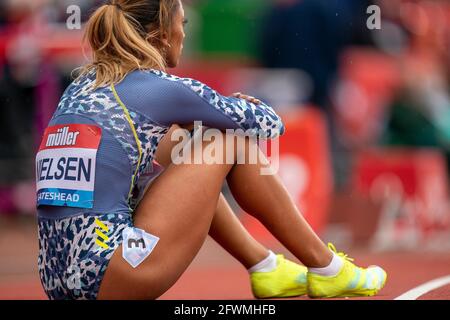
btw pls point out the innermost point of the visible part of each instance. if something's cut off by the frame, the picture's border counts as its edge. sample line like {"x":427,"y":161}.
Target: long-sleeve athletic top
{"x":100,"y":141}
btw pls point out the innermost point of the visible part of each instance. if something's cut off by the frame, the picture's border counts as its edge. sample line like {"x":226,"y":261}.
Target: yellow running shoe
{"x":351,"y":281}
{"x":287,"y":280}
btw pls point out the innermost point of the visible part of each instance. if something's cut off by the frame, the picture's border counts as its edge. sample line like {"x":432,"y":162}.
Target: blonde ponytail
{"x":124,"y":36}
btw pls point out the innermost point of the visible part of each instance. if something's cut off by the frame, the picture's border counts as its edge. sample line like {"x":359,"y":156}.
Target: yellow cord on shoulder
{"x":138,"y":142}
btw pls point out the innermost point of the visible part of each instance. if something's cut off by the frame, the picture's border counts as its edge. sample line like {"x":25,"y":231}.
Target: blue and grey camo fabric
{"x":71,"y":262}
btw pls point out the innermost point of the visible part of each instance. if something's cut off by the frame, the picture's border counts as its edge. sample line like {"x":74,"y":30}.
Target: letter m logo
{"x":136,"y":243}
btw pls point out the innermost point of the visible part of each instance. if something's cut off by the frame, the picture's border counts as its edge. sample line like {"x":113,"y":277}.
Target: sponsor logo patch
{"x":65,"y":165}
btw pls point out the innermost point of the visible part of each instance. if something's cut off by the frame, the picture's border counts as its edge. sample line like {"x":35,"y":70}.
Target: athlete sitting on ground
{"x":97,"y":156}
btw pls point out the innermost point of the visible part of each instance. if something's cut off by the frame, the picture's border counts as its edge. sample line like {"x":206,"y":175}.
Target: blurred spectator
{"x":420,"y":114}
{"x":309,"y":35}
{"x":2,"y":14}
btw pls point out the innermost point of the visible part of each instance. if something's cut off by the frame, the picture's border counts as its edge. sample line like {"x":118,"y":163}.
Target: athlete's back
{"x":99,"y":143}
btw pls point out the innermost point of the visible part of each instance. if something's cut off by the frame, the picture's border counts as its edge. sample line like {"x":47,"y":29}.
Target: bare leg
{"x":179,"y":208}
{"x":267,"y":199}
{"x":226,"y":229}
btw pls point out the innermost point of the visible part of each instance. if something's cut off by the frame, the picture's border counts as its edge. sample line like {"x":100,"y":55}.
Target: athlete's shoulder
{"x":83,"y":86}
{"x":154,"y":84}
{"x":164,"y":78}
{"x":189,"y":82}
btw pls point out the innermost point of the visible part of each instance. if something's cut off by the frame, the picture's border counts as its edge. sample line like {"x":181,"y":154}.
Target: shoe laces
{"x":340,"y":254}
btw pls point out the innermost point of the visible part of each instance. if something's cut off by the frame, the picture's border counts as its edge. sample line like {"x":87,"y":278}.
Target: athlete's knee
{"x":212,"y":146}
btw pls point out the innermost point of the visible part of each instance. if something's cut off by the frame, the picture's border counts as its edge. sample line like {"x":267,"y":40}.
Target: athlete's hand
{"x":246,"y":97}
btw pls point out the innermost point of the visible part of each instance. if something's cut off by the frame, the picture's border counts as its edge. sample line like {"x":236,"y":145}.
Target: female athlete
{"x":115,"y":224}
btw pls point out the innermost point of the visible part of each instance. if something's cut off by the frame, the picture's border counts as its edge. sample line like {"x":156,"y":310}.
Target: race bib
{"x":65,"y":166}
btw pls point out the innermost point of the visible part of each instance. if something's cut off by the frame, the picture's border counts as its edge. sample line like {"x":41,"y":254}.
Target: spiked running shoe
{"x":287,"y":280}
{"x":351,"y":281}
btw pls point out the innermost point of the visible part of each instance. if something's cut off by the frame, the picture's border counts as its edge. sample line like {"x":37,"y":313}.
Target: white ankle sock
{"x":267,"y":265}
{"x":331,"y":270}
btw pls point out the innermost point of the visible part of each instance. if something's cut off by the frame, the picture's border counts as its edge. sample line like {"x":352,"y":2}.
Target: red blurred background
{"x":367,"y":112}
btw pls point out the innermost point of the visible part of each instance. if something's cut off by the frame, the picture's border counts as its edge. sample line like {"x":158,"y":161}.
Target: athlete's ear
{"x":165,"y":39}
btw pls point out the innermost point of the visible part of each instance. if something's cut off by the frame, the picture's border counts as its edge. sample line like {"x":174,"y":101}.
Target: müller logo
{"x":65,"y":165}
{"x":62,"y":137}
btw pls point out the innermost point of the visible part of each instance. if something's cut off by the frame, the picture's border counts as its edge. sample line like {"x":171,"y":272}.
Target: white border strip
{"x":415,"y":293}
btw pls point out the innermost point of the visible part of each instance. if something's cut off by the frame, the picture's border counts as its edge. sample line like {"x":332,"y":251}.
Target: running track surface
{"x":216,"y":275}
